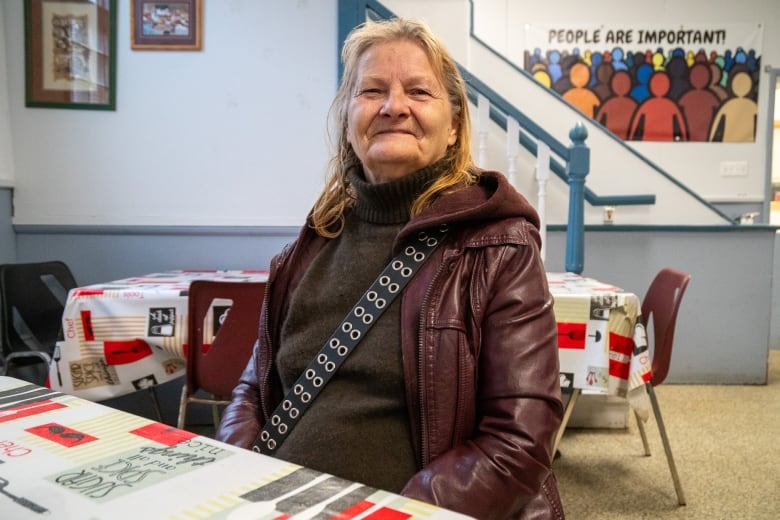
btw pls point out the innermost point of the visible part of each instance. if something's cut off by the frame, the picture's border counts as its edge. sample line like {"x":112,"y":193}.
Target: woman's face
{"x":399,"y":117}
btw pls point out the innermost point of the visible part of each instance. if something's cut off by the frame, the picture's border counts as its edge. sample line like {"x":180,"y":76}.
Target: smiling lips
{"x":395,"y":131}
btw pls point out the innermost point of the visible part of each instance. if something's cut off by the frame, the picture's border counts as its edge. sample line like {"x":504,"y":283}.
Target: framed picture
{"x":70,"y":52}
{"x":166,"y":26}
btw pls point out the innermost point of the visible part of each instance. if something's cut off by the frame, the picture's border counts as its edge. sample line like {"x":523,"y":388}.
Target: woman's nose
{"x":396,"y":103}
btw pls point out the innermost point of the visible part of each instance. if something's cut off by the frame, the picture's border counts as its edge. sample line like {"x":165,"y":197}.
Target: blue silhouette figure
{"x":641,"y":91}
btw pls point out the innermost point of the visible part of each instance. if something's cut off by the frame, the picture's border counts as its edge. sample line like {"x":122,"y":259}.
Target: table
{"x":128,"y":334}
{"x":602,"y":342}
{"x":131,"y":334}
{"x":65,"y":457}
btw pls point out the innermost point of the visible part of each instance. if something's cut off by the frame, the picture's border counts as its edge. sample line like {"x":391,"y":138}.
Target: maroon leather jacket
{"x":480,"y":353}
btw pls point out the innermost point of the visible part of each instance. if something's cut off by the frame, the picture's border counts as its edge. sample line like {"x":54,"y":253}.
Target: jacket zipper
{"x":421,"y":364}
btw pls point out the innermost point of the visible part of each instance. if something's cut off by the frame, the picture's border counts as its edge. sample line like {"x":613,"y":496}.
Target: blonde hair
{"x":338,"y":196}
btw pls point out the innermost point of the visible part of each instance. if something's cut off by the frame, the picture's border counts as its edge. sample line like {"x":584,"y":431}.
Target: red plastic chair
{"x":214,"y":366}
{"x":661,"y":303}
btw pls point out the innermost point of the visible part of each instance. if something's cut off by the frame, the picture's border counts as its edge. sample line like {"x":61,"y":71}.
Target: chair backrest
{"x":216,"y":367}
{"x":32,"y":297}
{"x":661,"y":303}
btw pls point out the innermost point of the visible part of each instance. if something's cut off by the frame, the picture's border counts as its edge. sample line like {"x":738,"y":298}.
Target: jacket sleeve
{"x":505,"y":465}
{"x":241,"y":421}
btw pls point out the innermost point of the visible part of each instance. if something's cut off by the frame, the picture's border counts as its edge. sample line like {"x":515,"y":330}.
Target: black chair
{"x":32,"y":299}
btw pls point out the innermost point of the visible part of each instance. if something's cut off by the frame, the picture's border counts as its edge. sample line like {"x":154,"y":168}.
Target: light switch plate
{"x":733,"y":168}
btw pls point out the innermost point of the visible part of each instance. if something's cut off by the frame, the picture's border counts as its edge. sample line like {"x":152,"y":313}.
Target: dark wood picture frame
{"x":175,"y":25}
{"x":70,"y":54}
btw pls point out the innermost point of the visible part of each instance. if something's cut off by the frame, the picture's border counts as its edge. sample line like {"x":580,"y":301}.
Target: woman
{"x":453,"y":397}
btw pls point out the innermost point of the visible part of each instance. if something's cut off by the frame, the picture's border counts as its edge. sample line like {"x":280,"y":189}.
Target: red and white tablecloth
{"x":128,"y":334}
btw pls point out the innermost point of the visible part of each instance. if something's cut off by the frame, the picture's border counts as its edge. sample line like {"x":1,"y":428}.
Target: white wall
{"x":231,"y":135}
{"x":235,"y":134}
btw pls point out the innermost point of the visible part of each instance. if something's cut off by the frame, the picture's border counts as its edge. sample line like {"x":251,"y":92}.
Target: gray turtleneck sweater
{"x":358,"y":427}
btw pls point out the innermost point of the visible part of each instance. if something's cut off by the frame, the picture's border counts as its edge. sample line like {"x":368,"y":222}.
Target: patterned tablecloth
{"x":128,"y":334}
{"x":65,"y":457}
{"x":602,"y":342}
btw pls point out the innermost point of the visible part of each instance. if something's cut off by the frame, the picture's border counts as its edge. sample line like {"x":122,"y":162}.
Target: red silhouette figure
{"x":658,"y":118}
{"x":699,"y":104}
{"x":616,"y":111}
{"x":580,"y":96}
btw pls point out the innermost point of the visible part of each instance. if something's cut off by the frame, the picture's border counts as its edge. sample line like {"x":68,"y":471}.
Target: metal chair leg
{"x":156,"y":402}
{"x":215,"y":413}
{"x":575,"y":393}
{"x":182,"y":408}
{"x":667,"y":448}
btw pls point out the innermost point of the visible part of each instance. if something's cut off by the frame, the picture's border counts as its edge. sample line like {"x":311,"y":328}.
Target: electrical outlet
{"x":733,"y":169}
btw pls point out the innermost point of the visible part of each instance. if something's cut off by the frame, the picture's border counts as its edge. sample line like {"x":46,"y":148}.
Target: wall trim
{"x":46,"y":229}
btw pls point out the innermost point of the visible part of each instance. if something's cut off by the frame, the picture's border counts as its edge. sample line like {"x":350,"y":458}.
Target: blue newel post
{"x":577,"y":170}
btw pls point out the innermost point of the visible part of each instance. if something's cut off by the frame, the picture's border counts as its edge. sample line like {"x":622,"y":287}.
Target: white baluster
{"x":542,"y":175}
{"x":512,"y":148}
{"x":483,"y":120}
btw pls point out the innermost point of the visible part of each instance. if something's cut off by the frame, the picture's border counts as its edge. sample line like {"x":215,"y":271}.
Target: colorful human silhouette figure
{"x":616,"y":112}
{"x":658,"y":118}
{"x":735,"y":121}
{"x":659,"y":60}
{"x":677,"y":69}
{"x":617,"y":59}
{"x":554,"y":65}
{"x":564,"y":83}
{"x":603,"y":84}
{"x":699,"y":104}
{"x":580,"y":95}
{"x":716,"y":74}
{"x":596,"y":59}
{"x":533,"y":59}
{"x":542,"y":76}
{"x":641,"y":91}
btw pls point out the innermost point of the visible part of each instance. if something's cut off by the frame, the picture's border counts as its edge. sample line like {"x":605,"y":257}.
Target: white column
{"x":512,"y":148}
{"x":483,"y":120}
{"x":542,"y":175}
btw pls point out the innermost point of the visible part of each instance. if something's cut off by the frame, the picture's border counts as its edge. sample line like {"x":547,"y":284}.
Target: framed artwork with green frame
{"x":70,"y":54}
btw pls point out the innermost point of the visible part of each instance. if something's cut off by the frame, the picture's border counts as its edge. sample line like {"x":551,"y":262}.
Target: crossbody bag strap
{"x":389,"y":284}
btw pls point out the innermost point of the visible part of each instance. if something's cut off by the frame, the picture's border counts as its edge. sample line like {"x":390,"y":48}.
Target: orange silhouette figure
{"x":579,"y":95}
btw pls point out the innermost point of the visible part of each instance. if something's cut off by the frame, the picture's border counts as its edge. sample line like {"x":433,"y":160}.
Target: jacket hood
{"x":492,"y":198}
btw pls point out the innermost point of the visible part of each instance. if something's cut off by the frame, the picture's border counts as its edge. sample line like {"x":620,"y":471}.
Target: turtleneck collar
{"x":390,"y":202}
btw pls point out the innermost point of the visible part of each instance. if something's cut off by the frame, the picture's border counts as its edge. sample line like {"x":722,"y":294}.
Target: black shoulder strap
{"x":390,"y":282}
